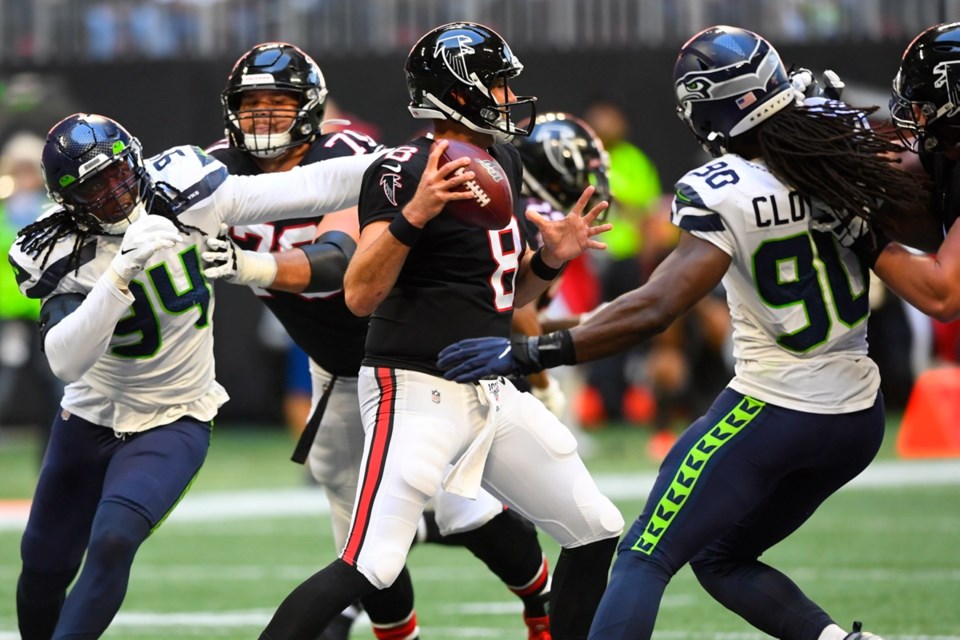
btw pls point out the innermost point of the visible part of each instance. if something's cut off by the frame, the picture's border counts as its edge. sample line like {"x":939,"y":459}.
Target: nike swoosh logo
{"x":392,"y":167}
{"x":125,"y":251}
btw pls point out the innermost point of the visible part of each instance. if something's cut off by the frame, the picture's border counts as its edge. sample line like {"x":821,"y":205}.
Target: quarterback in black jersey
{"x":273,"y":111}
{"x":425,"y":279}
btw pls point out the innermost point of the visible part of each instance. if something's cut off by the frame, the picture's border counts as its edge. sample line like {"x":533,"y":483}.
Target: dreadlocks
{"x":828,"y":153}
{"x":41,"y":236}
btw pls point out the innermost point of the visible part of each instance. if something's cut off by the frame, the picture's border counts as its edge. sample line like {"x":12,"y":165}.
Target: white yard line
{"x":302,"y":501}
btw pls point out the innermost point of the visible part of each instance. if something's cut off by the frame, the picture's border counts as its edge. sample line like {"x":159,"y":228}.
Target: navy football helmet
{"x":561,"y":157}
{"x":727,"y":81}
{"x":94,"y":168}
{"x":926,"y":89}
{"x":449,"y":75}
{"x":274,"y":66}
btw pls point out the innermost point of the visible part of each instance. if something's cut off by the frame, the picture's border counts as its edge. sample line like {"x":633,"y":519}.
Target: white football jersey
{"x":155,"y":359}
{"x":798,"y":301}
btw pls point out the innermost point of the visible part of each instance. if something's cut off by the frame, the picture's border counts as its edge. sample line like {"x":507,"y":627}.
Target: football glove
{"x":851,"y":231}
{"x":804,"y":82}
{"x":224,"y":260}
{"x":484,"y":358}
{"x":144,"y":237}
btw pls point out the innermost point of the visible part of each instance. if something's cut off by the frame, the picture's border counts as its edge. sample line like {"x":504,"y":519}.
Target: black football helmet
{"x":94,"y":168}
{"x":727,"y":81}
{"x":561,"y":157}
{"x":449,"y":75}
{"x":926,"y":89}
{"x":275,"y":66}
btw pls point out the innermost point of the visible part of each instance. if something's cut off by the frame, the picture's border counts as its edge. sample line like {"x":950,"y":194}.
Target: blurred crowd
{"x":102,"y":30}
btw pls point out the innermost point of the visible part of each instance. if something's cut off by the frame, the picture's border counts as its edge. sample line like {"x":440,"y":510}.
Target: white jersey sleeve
{"x":798,"y":301}
{"x":203,"y":188}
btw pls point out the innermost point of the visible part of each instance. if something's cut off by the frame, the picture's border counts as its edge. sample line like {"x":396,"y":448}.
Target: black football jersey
{"x":945,"y":174}
{"x":457,"y":281}
{"x":319,"y":323}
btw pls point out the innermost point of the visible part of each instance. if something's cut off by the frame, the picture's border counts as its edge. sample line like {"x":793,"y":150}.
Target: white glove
{"x":144,"y":237}
{"x":551,"y":396}
{"x":225,"y":260}
{"x":804,"y":82}
{"x":846,"y":228}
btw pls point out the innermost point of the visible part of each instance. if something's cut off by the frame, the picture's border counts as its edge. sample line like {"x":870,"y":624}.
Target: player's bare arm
{"x":688,"y":274}
{"x":381,"y":253}
{"x":928,"y":282}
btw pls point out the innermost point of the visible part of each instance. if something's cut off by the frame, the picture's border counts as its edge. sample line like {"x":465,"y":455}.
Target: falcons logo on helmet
{"x":948,"y":77}
{"x":390,"y":183}
{"x":455,"y":47}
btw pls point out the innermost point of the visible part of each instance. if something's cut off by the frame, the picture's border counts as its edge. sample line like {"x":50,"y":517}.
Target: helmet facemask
{"x":261,"y":128}
{"x":275,"y":137}
{"x":933,"y":128}
{"x":109,"y":193}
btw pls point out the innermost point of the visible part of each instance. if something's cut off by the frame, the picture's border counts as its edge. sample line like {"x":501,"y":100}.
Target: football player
{"x":561,"y":157}
{"x":273,"y":109}
{"x":803,"y":414}
{"x":126,"y":321}
{"x":925,"y":105}
{"x":428,"y":278}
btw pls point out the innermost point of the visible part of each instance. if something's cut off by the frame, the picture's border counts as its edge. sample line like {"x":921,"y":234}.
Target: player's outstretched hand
{"x":567,"y":238}
{"x":144,"y":237}
{"x":224,"y":260}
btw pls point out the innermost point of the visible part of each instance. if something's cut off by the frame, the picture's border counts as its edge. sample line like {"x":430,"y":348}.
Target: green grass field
{"x":885,"y":554}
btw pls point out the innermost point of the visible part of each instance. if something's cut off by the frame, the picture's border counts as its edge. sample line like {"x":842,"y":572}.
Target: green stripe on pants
{"x":689,"y":472}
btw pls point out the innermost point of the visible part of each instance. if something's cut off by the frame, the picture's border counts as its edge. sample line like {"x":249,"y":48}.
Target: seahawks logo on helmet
{"x":454,"y":49}
{"x":948,"y":77}
{"x":702,"y":86}
{"x":390,"y":183}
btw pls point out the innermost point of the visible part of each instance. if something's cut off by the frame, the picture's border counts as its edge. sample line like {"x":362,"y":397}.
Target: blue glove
{"x":477,"y":359}
{"x":483,"y":358}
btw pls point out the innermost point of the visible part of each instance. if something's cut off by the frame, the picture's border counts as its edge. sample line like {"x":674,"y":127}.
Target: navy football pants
{"x":100,"y":495}
{"x":740,"y":479}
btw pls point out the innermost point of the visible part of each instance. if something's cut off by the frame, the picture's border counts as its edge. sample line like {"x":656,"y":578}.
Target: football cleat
{"x":538,"y":628}
{"x":857,"y":634}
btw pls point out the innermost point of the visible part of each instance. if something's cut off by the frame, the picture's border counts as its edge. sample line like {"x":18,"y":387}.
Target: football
{"x":492,"y":204}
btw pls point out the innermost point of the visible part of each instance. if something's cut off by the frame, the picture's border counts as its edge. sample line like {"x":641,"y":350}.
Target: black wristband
{"x":541,"y":269}
{"x":403,"y":231}
{"x":869,"y":246}
{"x":536,"y":353}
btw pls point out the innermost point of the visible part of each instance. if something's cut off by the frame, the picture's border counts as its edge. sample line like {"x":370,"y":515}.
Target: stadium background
{"x":158,"y":67}
{"x":249,"y":530}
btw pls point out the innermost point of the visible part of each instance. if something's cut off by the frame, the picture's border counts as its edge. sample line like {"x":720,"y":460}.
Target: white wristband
{"x":256,"y":268}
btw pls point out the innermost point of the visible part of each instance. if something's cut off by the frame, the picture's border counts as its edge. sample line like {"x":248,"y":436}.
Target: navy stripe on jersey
{"x":687,"y":195}
{"x":376,"y":460}
{"x":705,"y":222}
{"x":55,"y":272}
{"x":201,"y":190}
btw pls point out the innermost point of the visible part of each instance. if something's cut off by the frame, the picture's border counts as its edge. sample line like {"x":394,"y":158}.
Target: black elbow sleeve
{"x":56,"y":309}
{"x":329,"y":256}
